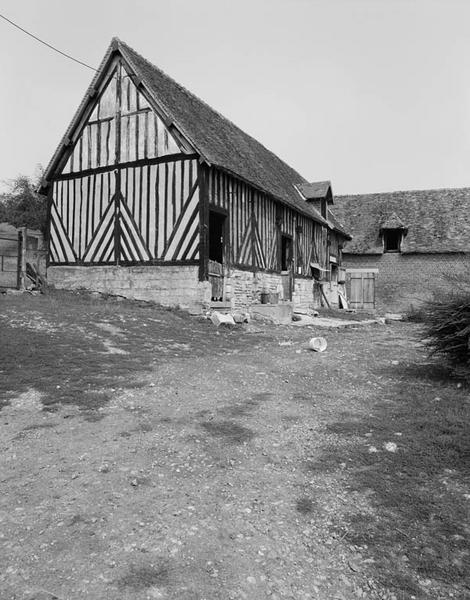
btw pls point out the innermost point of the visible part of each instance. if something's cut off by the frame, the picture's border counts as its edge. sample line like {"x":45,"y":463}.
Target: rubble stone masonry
{"x":180,"y":286}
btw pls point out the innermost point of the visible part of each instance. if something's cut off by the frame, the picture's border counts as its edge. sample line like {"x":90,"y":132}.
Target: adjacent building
{"x":410,"y":243}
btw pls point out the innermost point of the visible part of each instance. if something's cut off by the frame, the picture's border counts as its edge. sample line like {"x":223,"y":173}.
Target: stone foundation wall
{"x":180,"y":286}
{"x":166,"y":285}
{"x":243,"y":288}
{"x":405,"y":280}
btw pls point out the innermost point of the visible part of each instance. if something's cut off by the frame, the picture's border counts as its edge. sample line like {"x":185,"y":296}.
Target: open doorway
{"x":217,"y":234}
{"x":286,"y":253}
{"x":286,"y":266}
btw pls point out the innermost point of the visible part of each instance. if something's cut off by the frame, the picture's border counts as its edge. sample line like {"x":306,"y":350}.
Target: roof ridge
{"x":413,"y":191}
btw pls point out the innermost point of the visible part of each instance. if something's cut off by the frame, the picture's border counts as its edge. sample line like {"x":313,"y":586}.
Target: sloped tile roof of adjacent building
{"x":437,"y":220}
{"x":393,"y":222}
{"x":215,"y":138}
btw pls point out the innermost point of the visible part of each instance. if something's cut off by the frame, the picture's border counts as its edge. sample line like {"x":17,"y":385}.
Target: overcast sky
{"x":372,"y":94}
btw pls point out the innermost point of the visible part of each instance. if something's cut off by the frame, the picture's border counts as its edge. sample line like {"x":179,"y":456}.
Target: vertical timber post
{"x":18,"y":261}
{"x":50,"y":191}
{"x":278,"y":237}
{"x":22,"y":235}
{"x":203,"y":223}
{"x":117,"y":172}
{"x":253,"y":233}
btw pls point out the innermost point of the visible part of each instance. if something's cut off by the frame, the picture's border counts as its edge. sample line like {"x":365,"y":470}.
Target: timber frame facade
{"x":154,"y":195}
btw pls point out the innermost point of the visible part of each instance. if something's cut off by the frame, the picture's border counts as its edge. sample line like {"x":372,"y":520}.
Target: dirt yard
{"x":147,"y":455}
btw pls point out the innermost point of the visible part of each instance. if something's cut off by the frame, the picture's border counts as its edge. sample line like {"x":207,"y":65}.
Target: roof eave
{"x":317,"y":218}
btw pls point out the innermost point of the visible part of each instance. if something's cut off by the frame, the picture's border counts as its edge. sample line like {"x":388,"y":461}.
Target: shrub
{"x":447,"y":328}
{"x":22,"y":206}
{"x":416,"y":314}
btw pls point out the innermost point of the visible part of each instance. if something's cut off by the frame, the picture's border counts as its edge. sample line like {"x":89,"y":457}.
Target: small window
{"x":392,"y":240}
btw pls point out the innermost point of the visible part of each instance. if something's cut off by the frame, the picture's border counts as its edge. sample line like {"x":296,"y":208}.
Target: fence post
{"x":23,"y":258}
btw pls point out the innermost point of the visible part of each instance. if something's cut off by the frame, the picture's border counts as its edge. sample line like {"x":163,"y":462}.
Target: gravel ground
{"x":145,"y":454}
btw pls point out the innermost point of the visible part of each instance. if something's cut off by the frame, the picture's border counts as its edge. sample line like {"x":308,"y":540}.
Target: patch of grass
{"x":52,"y":344}
{"x":242,"y":409}
{"x":38,"y":426}
{"x":229,"y":431}
{"x":416,"y":492}
{"x":333,"y":313}
{"x":305,"y":506}
{"x":141,"y":577}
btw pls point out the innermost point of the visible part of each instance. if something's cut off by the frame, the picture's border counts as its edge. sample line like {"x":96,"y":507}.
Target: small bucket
{"x":317,"y":344}
{"x":264,"y":297}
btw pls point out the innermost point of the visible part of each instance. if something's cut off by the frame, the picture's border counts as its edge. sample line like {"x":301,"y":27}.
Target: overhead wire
{"x":46,"y":44}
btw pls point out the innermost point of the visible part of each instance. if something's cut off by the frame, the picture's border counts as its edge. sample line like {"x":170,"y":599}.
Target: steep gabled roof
{"x":218,"y":141}
{"x":216,"y":138}
{"x":437,"y":220}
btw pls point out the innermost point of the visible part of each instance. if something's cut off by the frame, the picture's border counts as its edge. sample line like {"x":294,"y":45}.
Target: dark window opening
{"x":392,"y":240}
{"x":334,"y":273}
{"x":286,"y":253}
{"x":216,"y":236}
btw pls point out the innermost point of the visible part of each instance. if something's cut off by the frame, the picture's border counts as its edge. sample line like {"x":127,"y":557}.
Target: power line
{"x":46,"y":44}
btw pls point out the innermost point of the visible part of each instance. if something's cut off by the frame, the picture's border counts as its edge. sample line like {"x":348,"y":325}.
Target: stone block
{"x":220,"y":318}
{"x":279,"y":314}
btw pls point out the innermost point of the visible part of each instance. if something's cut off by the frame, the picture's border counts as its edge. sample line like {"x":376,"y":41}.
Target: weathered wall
{"x":406,"y":280}
{"x":255,"y":225}
{"x":244,"y":287}
{"x":167,"y":285}
{"x":302,"y":296}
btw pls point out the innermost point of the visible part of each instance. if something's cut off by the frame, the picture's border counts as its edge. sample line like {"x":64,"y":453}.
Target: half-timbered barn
{"x":154,"y":195}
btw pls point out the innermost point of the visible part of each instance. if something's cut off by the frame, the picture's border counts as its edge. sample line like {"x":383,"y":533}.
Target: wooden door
{"x":217,"y":242}
{"x":360,"y":287}
{"x":10,"y":249}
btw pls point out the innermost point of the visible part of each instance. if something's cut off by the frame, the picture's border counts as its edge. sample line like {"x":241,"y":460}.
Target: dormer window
{"x":392,"y":240}
{"x":393,"y":231}
{"x":318,"y":194}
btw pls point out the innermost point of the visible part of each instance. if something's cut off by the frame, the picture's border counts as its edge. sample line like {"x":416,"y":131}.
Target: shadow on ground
{"x":64,"y":352}
{"x":414,"y":520}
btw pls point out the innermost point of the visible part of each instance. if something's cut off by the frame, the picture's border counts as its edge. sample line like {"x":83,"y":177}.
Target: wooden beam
{"x":50,"y":191}
{"x":203,"y":223}
{"x":125,"y":165}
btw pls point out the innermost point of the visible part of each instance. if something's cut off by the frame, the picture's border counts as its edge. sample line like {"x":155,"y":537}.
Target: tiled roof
{"x":437,"y":220}
{"x":316,"y":190}
{"x":393,"y":222}
{"x":215,"y":138}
